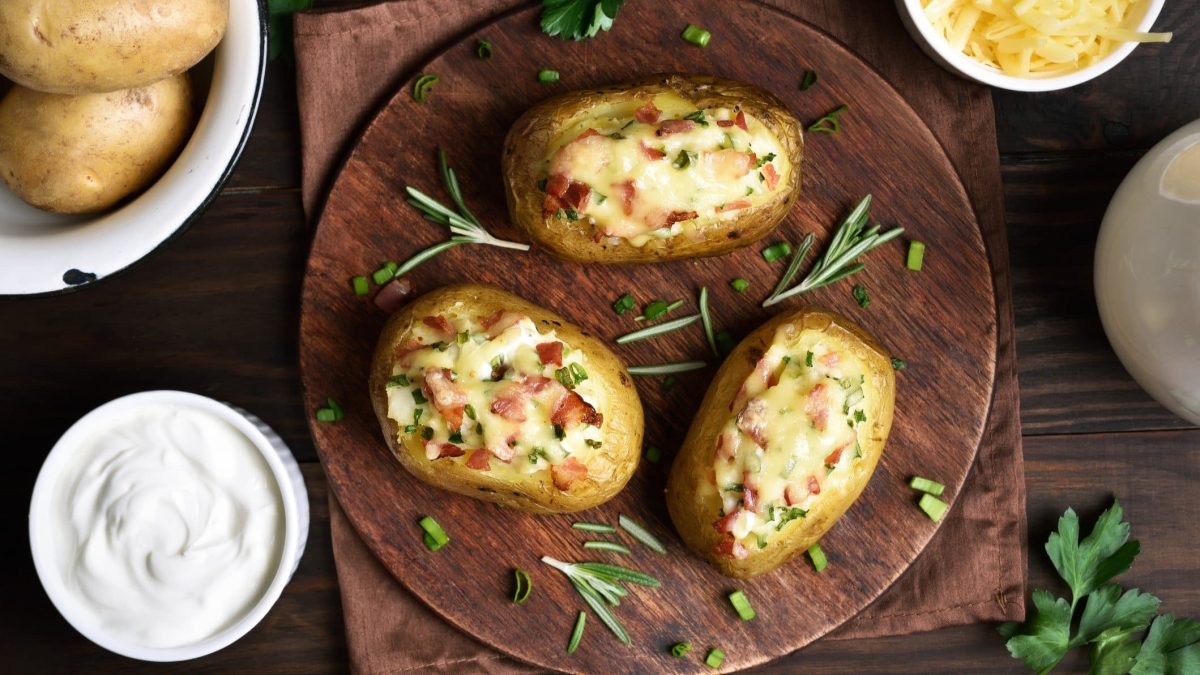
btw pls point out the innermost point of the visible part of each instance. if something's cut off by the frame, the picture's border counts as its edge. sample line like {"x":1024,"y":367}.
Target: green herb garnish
{"x":599,"y":586}
{"x":641,"y":534}
{"x":653,"y":454}
{"x":667,"y":368}
{"x":483,"y":49}
{"x":715,"y":658}
{"x":599,"y":528}
{"x":860,"y":296}
{"x":578,"y":19}
{"x":742,"y":605}
{"x":624,"y":304}
{"x":546,"y":76}
{"x":331,"y":413}
{"x":776,"y":251}
{"x":916,"y":256}
{"x":696,"y":35}
{"x":933,"y":507}
{"x":360,"y":285}
{"x":809,"y":79}
{"x":818,"y":557}
{"x":739,"y":285}
{"x":925,"y":485}
{"x":680,"y":649}
{"x":658,"y":308}
{"x":422,"y":86}
{"x":658,"y":329}
{"x":829,"y":124}
{"x":523,"y":588}
{"x":607,"y":546}
{"x":435,"y":537}
{"x":684,"y":159}
{"x":899,"y":363}
{"x":577,"y":632}
{"x":697,"y":117}
{"x":706,"y":319}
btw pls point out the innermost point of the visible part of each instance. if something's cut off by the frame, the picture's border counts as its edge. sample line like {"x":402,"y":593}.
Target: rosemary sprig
{"x":667,"y":368}
{"x":658,"y":329}
{"x":599,"y":586}
{"x":850,"y":241}
{"x":464,"y":227}
{"x":707,"y":319}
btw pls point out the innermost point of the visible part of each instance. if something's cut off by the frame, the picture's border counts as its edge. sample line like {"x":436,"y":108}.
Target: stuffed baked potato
{"x":672,"y":166}
{"x":484,"y":394}
{"x":785,"y":440}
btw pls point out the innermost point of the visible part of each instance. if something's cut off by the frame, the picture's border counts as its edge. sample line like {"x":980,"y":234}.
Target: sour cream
{"x":166,"y":525}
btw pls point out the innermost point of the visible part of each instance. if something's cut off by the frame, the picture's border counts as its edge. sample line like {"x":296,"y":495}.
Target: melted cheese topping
{"x":643,"y":183}
{"x":474,"y":370}
{"x":806,"y":402}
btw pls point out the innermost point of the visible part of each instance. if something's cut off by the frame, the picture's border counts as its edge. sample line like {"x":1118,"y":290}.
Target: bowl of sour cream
{"x":164,"y":525}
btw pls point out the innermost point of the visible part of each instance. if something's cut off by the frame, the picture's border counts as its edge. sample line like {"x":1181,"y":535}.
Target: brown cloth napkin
{"x":350,"y":62}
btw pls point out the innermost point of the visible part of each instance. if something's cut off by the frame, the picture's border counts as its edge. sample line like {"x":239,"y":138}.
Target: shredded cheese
{"x":1036,"y":38}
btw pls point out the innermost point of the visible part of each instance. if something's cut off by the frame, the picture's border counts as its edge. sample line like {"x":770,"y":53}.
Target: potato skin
{"x":83,"y":154}
{"x":527,"y":141}
{"x":608,"y":471}
{"x":693,"y":514}
{"x":96,"y":46}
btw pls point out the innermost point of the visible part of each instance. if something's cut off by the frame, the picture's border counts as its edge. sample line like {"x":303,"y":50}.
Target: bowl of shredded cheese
{"x":1030,"y":45}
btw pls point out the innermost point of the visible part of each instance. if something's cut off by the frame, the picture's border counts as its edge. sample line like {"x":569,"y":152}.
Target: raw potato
{"x":524,"y":165}
{"x":95,"y":46}
{"x":695,"y":503}
{"x":609,"y":469}
{"x":83,"y":154}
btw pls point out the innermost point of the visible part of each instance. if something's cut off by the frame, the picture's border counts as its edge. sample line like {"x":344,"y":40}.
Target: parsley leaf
{"x":1102,"y":555}
{"x":1044,"y":640}
{"x":1113,"y":652}
{"x":279,"y":26}
{"x":1172,"y":646}
{"x":578,"y":19}
{"x":1107,"y":609}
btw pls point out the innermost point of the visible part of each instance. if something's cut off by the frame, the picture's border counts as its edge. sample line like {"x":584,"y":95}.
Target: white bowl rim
{"x":975,"y":70}
{"x":65,"y":602}
{"x":91,"y":279}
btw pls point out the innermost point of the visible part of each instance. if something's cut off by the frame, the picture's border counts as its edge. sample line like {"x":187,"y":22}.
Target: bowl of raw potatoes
{"x":1030,"y":45}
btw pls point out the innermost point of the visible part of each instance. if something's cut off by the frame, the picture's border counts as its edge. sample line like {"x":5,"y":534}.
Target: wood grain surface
{"x":941,"y":320}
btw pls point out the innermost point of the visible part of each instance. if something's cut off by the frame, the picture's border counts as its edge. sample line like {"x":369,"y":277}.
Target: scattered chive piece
{"x":645,"y":316}
{"x":706,"y":318}
{"x":483,"y":49}
{"x":546,"y":76}
{"x":933,"y":507}
{"x":434,"y":534}
{"x":667,"y":368}
{"x":860,"y":295}
{"x":898,"y":363}
{"x":740,"y":285}
{"x":653,"y":454}
{"x":624,"y":304}
{"x":916,"y":255}
{"x":808,"y":359}
{"x":742,"y":604}
{"x":641,"y":534}
{"x":422,"y":86}
{"x":928,"y":486}
{"x":829,"y":124}
{"x":653,"y":331}
{"x":725,"y":342}
{"x":400,"y":380}
{"x":418,"y":397}
{"x":384,"y":274}
{"x":776,"y":251}
{"x":332,"y":413}
{"x":360,"y":285}
{"x":607,"y":546}
{"x":809,"y":79}
{"x":577,"y":633}
{"x":599,"y":528}
{"x":818,"y":556}
{"x":524,"y":586}
{"x":715,"y":658}
{"x":680,"y":649}
{"x":696,"y":35}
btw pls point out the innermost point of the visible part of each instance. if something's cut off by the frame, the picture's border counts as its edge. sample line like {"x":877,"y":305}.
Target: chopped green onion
{"x":653,"y":331}
{"x":725,"y":342}
{"x":818,"y":556}
{"x":667,"y":368}
{"x":641,"y":534}
{"x":715,"y":658}
{"x":740,"y":285}
{"x":776,"y":251}
{"x":546,"y":76}
{"x":607,"y":546}
{"x":360,"y":285}
{"x":524,"y":586}
{"x":696,"y":35}
{"x":916,"y":255}
{"x":933,"y":507}
{"x":697,"y":117}
{"x":860,"y":296}
{"x":928,"y":486}
{"x":658,"y":308}
{"x":898,"y":363}
{"x":577,"y":633}
{"x":706,"y":318}
{"x":384,"y":274}
{"x":433,"y":534}
{"x":680,"y":649}
{"x":418,"y":397}
{"x":829,"y":124}
{"x":427,"y":433}
{"x":742,"y":605}
{"x":684,"y":159}
{"x":577,"y":373}
{"x":333,"y":413}
{"x":808,"y":359}
{"x":624,"y":304}
{"x":598,"y":528}
{"x":809,"y":79}
{"x":422,"y":86}
{"x":653,"y":454}
{"x":483,"y":49}
{"x":398,"y":381}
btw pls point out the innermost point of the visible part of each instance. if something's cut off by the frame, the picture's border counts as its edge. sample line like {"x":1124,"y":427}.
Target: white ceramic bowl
{"x":932,"y":43}
{"x":45,"y":253}
{"x":283,"y":467}
{"x":1148,"y":272}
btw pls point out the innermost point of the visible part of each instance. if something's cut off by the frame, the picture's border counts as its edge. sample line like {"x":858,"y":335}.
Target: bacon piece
{"x":724,"y":123}
{"x":393,"y":294}
{"x":504,"y":451}
{"x":438,"y":450}
{"x":627,"y":191}
{"x":730,"y":547}
{"x":830,"y":359}
{"x":536,"y":384}
{"x":571,"y":409}
{"x":749,"y":492}
{"x":479,"y":460}
{"x":556,"y":185}
{"x":727,"y":446}
{"x":680,"y":216}
{"x":725,"y":523}
{"x":833,"y":457}
{"x":674,"y":127}
{"x":550,"y":353}
{"x":439,"y":323}
{"x":566,"y":472}
{"x":449,"y":400}
{"x":740,"y":120}
{"x":550,"y":206}
{"x":814,"y":485}
{"x":577,"y":195}
{"x":588,"y":134}
{"x":734,"y":205}
{"x":647,"y":114}
{"x":408,"y":347}
{"x":500,"y":321}
{"x":792,"y":495}
{"x":752,"y":420}
{"x":652,"y":153}
{"x":510,"y":403}
{"x":772,"y":177}
{"x":817,"y":407}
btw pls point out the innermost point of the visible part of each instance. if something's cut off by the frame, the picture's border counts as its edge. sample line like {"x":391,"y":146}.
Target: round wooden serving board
{"x":941,"y":320}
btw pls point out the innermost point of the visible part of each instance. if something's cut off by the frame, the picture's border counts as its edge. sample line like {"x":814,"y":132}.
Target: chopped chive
{"x":808,"y":359}
{"x":578,"y":374}
{"x":524,"y":586}
{"x":742,"y":605}
{"x":654,"y":310}
{"x":829,"y":124}
{"x":928,"y":486}
{"x":817,"y":556}
{"x":546,"y":76}
{"x":563,"y":375}
{"x":715,"y":658}
{"x":422,"y":86}
{"x":667,"y":368}
{"x":860,"y":296}
{"x":776,"y":251}
{"x":483,"y":49}
{"x":706,"y":319}
{"x":624,"y":304}
{"x":725,"y":342}
{"x":360,"y":285}
{"x":916,"y":255}
{"x":433,"y":533}
{"x":384,"y":274}
{"x":653,"y":454}
{"x":933,"y":507}
{"x":427,"y":433}
{"x":577,"y":633}
{"x":398,"y":381}
{"x":696,"y":35}
{"x":809,"y":79}
{"x":599,"y":528}
{"x":641,"y":534}
{"x":899,"y":363}
{"x":332,"y":413}
{"x":418,"y":397}
{"x":740,"y":285}
{"x":684,"y":159}
{"x":680,"y":649}
{"x":653,"y":331}
{"x":607,"y":546}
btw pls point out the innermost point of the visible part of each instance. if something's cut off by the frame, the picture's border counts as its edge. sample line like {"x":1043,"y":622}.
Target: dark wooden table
{"x":216,"y":313}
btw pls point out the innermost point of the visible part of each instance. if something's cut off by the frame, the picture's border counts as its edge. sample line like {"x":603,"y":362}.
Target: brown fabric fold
{"x":349,"y":63}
